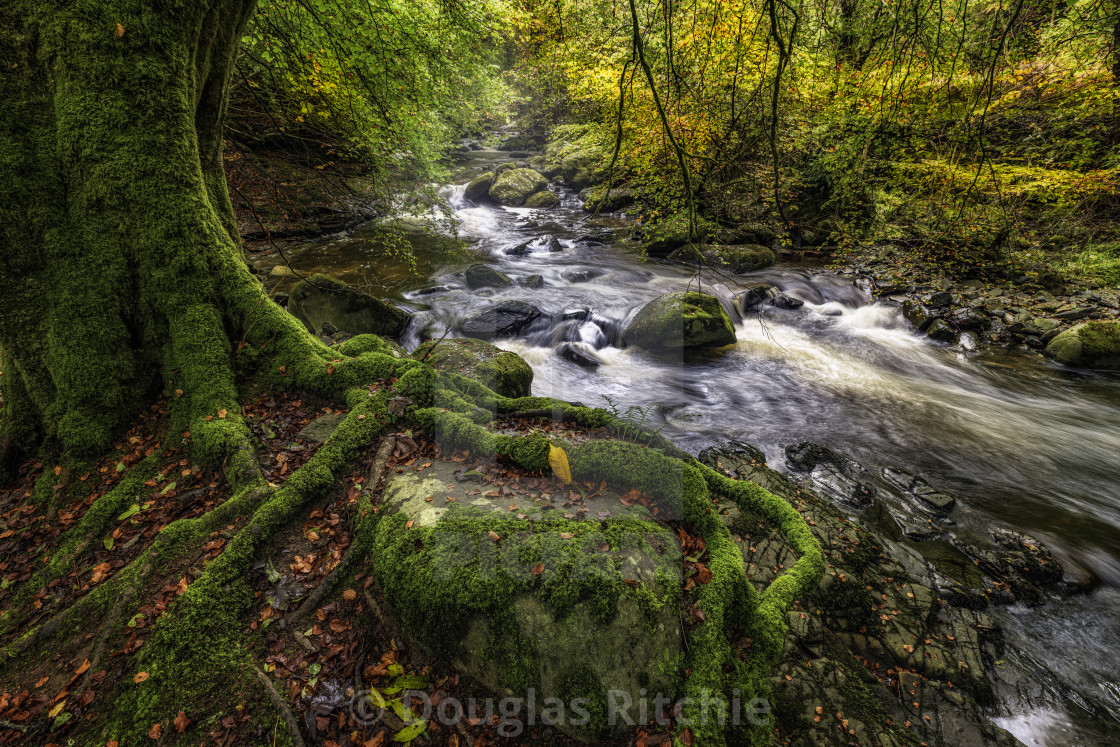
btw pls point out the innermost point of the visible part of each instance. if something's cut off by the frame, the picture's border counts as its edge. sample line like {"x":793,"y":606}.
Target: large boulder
{"x":673,"y":232}
{"x":681,"y":320}
{"x":601,"y":201}
{"x":542,"y":199}
{"x":523,"y":600}
{"x":734,"y":259}
{"x":479,"y":188}
{"x":322,"y":299}
{"x":747,"y":233}
{"x":514,"y":186}
{"x":579,"y":154}
{"x":504,"y":372}
{"x":484,"y":276}
{"x":504,"y":320}
{"x":1093,"y":344}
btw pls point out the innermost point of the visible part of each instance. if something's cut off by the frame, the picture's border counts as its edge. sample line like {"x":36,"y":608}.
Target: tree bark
{"x":116,"y":229}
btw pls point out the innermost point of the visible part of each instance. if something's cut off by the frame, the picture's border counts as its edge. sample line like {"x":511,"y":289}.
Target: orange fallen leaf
{"x":222,"y":413}
{"x":181,"y":722}
{"x":349,"y":595}
{"x":120,"y":31}
{"x":140,"y":677}
{"x":155,"y":731}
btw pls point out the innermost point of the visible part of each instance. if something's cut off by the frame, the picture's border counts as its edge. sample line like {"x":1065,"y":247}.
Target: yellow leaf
{"x":558,"y":459}
{"x":57,"y":709}
{"x":120,"y":30}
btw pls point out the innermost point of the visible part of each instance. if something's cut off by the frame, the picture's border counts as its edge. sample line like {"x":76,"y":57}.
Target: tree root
{"x":282,"y":707}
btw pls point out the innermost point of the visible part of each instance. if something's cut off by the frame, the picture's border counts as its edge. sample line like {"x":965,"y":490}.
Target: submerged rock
{"x":576,"y":353}
{"x":504,"y":372}
{"x":836,"y":476}
{"x":1093,"y":344}
{"x":681,"y":320}
{"x":755,"y":296}
{"x":504,"y":320}
{"x":322,"y":299}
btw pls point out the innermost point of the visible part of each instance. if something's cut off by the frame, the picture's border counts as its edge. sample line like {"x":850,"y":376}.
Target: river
{"x":1022,"y":444}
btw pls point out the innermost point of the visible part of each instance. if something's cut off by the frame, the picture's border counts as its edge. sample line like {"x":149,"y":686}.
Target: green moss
{"x":499,"y":370}
{"x":681,"y":320}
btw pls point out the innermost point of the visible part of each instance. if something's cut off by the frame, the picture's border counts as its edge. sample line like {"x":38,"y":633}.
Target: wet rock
{"x":576,"y":353}
{"x":479,"y":188}
{"x":504,"y":372}
{"x":542,"y":199}
{"x":582,"y":315}
{"x":598,"y":237}
{"x":941,"y":331}
{"x":734,"y":259}
{"x":681,"y":320}
{"x":323,"y":298}
{"x":432,"y":290}
{"x":917,"y":314}
{"x":280,"y":298}
{"x":484,"y":276}
{"x":1094,"y":344}
{"x":939,"y":299}
{"x":836,"y":476}
{"x":553,"y":244}
{"x":917,"y":528}
{"x":755,"y":296}
{"x":1020,"y":562}
{"x":533,"y":281}
{"x":581,"y":276}
{"x":515,"y":143}
{"x":788,"y":302}
{"x":520,"y":250}
{"x":918,"y":489}
{"x":969,"y":320}
{"x":513,"y":187}
{"x":504,"y":320}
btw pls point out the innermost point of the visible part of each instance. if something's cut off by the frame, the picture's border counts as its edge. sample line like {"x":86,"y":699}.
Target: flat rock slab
{"x":321,"y":428}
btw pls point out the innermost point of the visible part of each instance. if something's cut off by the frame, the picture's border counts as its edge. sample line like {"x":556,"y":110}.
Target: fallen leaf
{"x":349,"y":595}
{"x":140,"y":677}
{"x":181,"y":722}
{"x":120,"y":31}
{"x":155,"y":731}
{"x":494,"y":535}
{"x":558,"y":460}
{"x":703,"y":573}
{"x":222,"y":413}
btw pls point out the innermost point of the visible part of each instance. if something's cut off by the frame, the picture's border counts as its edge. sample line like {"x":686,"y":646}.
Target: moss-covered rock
{"x":579,"y":153}
{"x":323,"y":298}
{"x":484,"y":276}
{"x":681,"y":320}
{"x":672,"y":232}
{"x":542,"y":199}
{"x":567,"y":608}
{"x":504,"y":372}
{"x":514,"y":186}
{"x":1093,"y":344}
{"x":735,"y":259}
{"x":618,"y":199}
{"x":479,"y":188}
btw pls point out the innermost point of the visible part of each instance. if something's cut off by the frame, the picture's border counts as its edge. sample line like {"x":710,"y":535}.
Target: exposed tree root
{"x":282,"y":708}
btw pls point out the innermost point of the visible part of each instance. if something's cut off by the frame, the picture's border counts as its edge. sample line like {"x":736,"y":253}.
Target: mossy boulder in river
{"x":542,"y":199}
{"x":504,"y":372}
{"x":681,"y":320}
{"x":673,"y":232}
{"x":514,"y":186}
{"x":323,"y":298}
{"x":735,"y":259}
{"x":518,"y":597}
{"x":1093,"y":344}
{"x":479,"y":188}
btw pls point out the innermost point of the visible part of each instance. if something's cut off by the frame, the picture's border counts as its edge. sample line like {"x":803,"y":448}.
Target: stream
{"x":1020,"y":443}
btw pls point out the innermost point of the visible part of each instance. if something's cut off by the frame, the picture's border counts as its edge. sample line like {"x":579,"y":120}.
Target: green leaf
{"x":271,"y":572}
{"x":120,"y":466}
{"x":411,"y":682}
{"x":131,"y":511}
{"x":314,"y":669}
{"x":108,"y":542}
{"x":395,"y":670}
{"x":404,"y":714}
{"x":136,"y":619}
{"x":410,"y":732}
{"x":168,"y":489}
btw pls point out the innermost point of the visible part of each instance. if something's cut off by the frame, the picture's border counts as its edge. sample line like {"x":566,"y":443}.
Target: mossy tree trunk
{"x":116,"y":229}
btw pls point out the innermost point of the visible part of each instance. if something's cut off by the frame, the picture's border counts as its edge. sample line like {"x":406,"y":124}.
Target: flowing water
{"x":1022,"y":444}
